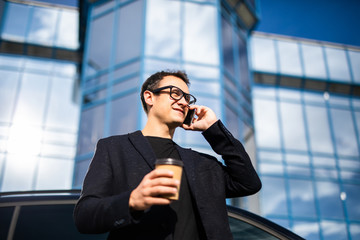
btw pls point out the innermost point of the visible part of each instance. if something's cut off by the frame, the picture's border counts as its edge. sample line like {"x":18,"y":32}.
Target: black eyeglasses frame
{"x":187,"y":96}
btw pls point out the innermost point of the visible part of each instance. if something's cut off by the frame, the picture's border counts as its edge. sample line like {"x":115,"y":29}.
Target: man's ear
{"x":148,"y":97}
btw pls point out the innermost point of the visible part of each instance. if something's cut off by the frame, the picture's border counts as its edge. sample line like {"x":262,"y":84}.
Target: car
{"x":47,"y":215}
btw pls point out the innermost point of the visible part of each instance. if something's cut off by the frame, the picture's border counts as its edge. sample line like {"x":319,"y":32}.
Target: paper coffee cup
{"x":175,"y":166}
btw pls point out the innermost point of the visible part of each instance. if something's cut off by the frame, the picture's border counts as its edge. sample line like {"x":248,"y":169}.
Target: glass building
{"x":306,"y":103}
{"x":71,"y":73}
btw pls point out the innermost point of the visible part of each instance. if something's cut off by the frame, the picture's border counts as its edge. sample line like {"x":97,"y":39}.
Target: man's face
{"x":167,"y":109}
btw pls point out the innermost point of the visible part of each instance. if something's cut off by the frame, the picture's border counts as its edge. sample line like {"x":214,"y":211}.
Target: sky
{"x":326,"y":20}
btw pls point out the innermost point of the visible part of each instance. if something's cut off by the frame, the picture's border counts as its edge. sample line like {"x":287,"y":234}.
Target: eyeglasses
{"x":176,"y":94}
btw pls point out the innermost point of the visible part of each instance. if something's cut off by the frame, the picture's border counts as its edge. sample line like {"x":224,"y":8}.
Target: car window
{"x":243,"y":230}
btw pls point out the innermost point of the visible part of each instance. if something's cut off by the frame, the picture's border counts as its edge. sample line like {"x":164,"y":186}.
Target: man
{"x":122,"y":189}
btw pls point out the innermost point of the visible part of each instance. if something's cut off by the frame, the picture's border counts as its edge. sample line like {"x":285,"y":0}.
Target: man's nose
{"x":182,"y":101}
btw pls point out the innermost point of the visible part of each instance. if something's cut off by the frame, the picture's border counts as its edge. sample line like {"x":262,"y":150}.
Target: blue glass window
{"x":49,"y":26}
{"x":243,"y":62}
{"x":200,"y":37}
{"x":91,"y":129}
{"x":42,"y":27}
{"x":332,"y":230}
{"x":355,"y":231}
{"x":272,"y":169}
{"x":307,"y":230}
{"x":263,"y":55}
{"x":8,"y":85}
{"x":337,"y":64}
{"x":68,"y":28}
{"x":328,"y":195}
{"x":20,"y":170}
{"x":30,"y":107}
{"x":227,"y":46}
{"x":293,"y":126}
{"x":343,"y":127}
{"x":319,"y":129}
{"x":266,"y":123}
{"x":124,"y":115}
{"x":49,"y":176}
{"x":355,"y":63}
{"x":273,"y":196}
{"x":129,"y":37}
{"x":232,"y":122}
{"x":289,"y":58}
{"x":163,"y":38}
{"x":15,"y":26}
{"x":100,"y":38}
{"x":314,"y":65}
{"x":302,"y":198}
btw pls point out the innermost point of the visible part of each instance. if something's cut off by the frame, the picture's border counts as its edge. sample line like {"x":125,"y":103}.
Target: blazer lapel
{"x":143,"y":147}
{"x":189,"y":167}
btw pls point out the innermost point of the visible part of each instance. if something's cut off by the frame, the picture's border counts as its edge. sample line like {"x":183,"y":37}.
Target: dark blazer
{"x":120,"y":163}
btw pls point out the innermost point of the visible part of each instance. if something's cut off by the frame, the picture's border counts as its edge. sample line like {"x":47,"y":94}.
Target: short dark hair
{"x":153,"y":82}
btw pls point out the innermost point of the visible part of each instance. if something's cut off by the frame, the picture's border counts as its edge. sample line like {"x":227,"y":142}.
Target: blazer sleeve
{"x":241,"y":178}
{"x":98,"y":210}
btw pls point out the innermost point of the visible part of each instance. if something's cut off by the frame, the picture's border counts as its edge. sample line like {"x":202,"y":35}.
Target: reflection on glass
{"x":293,"y":126}
{"x":31,"y":102}
{"x":307,"y":230}
{"x":227,"y":46}
{"x":232,"y":122}
{"x":15,"y":23}
{"x":63,"y":100}
{"x":298,"y":171}
{"x":202,"y":72}
{"x":273,"y":196}
{"x":333,"y":230}
{"x":100,"y":35}
{"x":289,"y":58}
{"x":200,"y":39}
{"x":243,"y":62}
{"x":267,"y":168}
{"x":323,"y":161}
{"x":80,"y":170}
{"x":263,"y":55}
{"x":129,"y":37}
{"x":204,"y":87}
{"x":355,"y":63}
{"x":266,"y":123}
{"x":329,"y":200}
{"x":49,"y":176}
{"x":355,"y":231}
{"x":163,"y":30}
{"x":318,"y":129}
{"x":314,"y":65}
{"x":42,"y":26}
{"x":297,"y":159}
{"x":344,"y":131}
{"x":8,"y":86}
{"x":337,"y":64}
{"x":19,"y":172}
{"x":91,"y":129}
{"x":124,"y":114}
{"x":125,"y":85}
{"x":302,"y":198}
{"x":68,"y":28}
{"x":325,"y":173}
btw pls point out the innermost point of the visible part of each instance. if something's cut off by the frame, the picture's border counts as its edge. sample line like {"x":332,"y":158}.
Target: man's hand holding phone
{"x":205,"y":117}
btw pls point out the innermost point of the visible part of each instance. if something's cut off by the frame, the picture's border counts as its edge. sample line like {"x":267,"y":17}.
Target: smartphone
{"x":189,"y":117}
